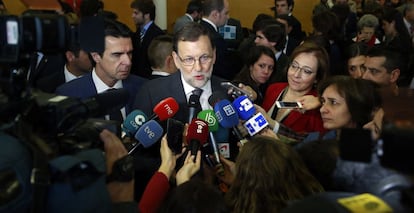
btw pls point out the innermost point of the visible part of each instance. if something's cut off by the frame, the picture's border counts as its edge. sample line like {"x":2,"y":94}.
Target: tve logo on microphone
{"x":256,"y":124}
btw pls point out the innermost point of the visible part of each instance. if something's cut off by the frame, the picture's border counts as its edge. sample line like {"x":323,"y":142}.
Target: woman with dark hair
{"x":267,"y":175}
{"x":356,"y":55}
{"x":309,"y":64}
{"x":257,"y":70}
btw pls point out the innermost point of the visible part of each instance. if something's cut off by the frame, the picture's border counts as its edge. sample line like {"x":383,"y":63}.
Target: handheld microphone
{"x":149,"y":133}
{"x":245,"y":109}
{"x":210,"y":118}
{"x":165,"y":109}
{"x":197,"y":135}
{"x":227,"y":116}
{"x":215,"y":97}
{"x":133,"y":122}
{"x":193,"y":105}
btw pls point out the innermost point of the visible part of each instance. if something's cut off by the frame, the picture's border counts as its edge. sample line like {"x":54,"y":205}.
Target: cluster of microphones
{"x":202,"y":125}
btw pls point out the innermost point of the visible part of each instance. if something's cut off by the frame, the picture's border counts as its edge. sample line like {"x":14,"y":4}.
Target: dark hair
{"x":255,"y":52}
{"x":327,"y":23}
{"x":159,"y":49}
{"x":191,"y":31}
{"x":361,"y":96}
{"x":392,"y":58}
{"x":320,"y":54}
{"x":269,"y":174}
{"x":274,"y":31}
{"x":356,"y":49}
{"x":211,"y":5}
{"x":259,"y":18}
{"x":195,"y":196}
{"x":116,"y":29}
{"x":145,"y":6}
{"x":289,"y":2}
{"x":287,"y":18}
{"x":194,"y":6}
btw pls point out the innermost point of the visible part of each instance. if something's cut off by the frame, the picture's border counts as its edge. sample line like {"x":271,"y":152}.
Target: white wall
{"x":161,"y":13}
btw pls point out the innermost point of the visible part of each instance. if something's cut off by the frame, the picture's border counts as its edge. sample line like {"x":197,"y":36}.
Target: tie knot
{"x":197,"y":91}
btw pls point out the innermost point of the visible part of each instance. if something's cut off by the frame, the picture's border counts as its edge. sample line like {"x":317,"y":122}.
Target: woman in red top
{"x":309,"y":64}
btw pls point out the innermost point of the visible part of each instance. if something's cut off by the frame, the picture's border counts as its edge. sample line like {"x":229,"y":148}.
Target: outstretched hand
{"x":191,"y":166}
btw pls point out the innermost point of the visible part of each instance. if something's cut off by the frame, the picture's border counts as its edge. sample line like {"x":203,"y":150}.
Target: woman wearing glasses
{"x":309,"y":64}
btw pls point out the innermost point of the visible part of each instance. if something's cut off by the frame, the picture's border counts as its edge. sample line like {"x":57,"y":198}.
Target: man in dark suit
{"x":143,"y":15}
{"x":193,"y":13}
{"x":286,"y":7}
{"x":194,"y":56}
{"x":215,"y":14}
{"x":77,"y":64}
{"x":112,"y":69}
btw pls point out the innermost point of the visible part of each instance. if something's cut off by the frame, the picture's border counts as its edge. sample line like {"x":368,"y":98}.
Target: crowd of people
{"x":357,"y":51}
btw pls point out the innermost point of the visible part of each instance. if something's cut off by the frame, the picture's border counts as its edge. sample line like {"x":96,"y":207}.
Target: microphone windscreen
{"x":133,"y":122}
{"x":194,"y":101}
{"x":209,"y":116}
{"x":255,"y":124}
{"x":106,"y":102}
{"x":216,"y":96}
{"x":244,"y":107}
{"x":197,"y":130}
{"x":226,"y":114}
{"x":149,"y":133}
{"x":166,"y":108}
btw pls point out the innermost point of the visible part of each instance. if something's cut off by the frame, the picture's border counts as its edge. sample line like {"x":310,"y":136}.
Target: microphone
{"x":246,"y":111}
{"x":210,"y":118}
{"x":215,"y":97}
{"x":197,"y":134}
{"x":149,"y":133}
{"x":165,"y":109}
{"x":227,"y":116}
{"x":133,"y":122}
{"x":193,"y":105}
{"x":106,"y":102}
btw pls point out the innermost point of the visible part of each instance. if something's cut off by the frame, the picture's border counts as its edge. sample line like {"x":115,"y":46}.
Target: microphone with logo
{"x":133,"y":122}
{"x":246,"y":111}
{"x":193,"y":106}
{"x":148,"y":134}
{"x":227,"y":116}
{"x":165,"y":109}
{"x":197,"y":135}
{"x":210,"y":118}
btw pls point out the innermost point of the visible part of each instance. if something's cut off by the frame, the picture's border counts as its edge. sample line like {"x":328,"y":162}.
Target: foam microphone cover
{"x":244,"y":107}
{"x":166,"y":108}
{"x":209,"y":116}
{"x":133,"y":122}
{"x":197,"y":134}
{"x":226,"y":114}
{"x":106,"y":102}
{"x":216,"y":96}
{"x":149,"y":133}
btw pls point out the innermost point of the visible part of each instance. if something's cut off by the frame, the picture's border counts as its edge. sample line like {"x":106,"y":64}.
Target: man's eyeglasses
{"x":306,"y":70}
{"x":190,"y":61}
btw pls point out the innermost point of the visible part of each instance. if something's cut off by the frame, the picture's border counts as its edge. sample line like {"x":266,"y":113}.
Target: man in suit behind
{"x":77,"y":64}
{"x":112,"y":69}
{"x":215,"y":15}
{"x":194,"y":55}
{"x":143,"y":15}
{"x":193,"y":13}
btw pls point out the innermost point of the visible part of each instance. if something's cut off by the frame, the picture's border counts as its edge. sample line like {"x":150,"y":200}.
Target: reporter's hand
{"x":168,"y":158}
{"x":309,"y":102}
{"x":376,"y":124}
{"x":229,"y":171}
{"x":269,"y":133}
{"x":253,"y":94}
{"x":190,"y":167}
{"x":114,"y":150}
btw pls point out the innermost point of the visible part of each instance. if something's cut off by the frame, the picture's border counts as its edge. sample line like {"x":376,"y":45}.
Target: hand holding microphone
{"x":246,"y":111}
{"x":197,"y":135}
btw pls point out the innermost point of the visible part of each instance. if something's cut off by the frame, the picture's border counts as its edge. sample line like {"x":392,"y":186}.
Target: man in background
{"x":143,"y":15}
{"x":160,"y":56}
{"x":193,"y":13}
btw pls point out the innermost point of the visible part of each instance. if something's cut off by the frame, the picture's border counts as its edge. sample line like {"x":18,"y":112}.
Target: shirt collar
{"x":162,"y":73}
{"x":145,"y":28}
{"x":211,"y":23}
{"x":204,"y":96}
{"x":68,"y":75}
{"x":189,"y":16}
{"x":101,"y":86}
